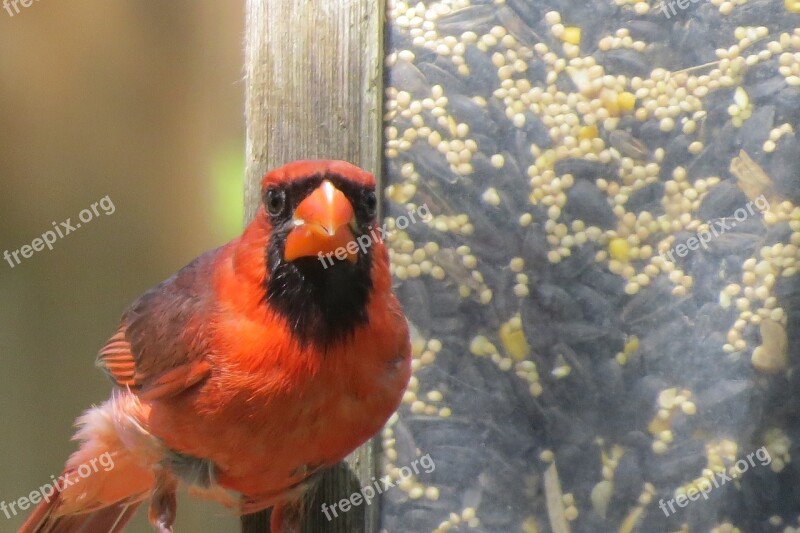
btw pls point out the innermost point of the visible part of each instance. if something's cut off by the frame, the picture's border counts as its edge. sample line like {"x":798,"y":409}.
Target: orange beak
{"x":322,"y":226}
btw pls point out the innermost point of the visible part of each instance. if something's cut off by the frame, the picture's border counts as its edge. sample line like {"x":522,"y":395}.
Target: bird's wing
{"x":161,"y":346}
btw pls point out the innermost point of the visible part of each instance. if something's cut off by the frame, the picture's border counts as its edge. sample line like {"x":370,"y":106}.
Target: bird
{"x":251,"y":370}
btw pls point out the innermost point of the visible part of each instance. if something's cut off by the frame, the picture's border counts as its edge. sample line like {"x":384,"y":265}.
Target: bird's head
{"x":324,"y":253}
{"x":318,"y":209}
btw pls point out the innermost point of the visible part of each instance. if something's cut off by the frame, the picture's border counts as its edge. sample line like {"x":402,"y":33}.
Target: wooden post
{"x":314,"y":90}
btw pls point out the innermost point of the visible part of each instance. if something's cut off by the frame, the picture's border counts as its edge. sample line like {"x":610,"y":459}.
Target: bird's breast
{"x":270,"y":417}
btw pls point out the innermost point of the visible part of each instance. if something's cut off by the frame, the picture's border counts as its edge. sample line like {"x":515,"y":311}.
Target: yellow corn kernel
{"x":626,"y":101}
{"x":572,"y":35}
{"x":619,"y":249}
{"x":590,"y":132}
{"x":513,"y":338}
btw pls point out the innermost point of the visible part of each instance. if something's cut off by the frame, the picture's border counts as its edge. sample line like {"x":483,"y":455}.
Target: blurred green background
{"x":141,"y":101}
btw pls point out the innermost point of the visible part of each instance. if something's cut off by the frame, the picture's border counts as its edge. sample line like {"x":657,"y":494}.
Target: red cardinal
{"x":250,"y":370}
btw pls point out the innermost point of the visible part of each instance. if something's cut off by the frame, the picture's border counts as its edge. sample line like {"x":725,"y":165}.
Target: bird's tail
{"x":110,"y":519}
{"x":105,"y":480}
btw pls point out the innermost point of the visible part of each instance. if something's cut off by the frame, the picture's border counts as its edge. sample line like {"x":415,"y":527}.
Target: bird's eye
{"x":275,"y":200}
{"x":370,"y":202}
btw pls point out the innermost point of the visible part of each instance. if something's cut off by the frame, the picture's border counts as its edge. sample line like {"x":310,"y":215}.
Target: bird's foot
{"x":284,"y":520}
{"x":162,"y":528}
{"x":163,"y":503}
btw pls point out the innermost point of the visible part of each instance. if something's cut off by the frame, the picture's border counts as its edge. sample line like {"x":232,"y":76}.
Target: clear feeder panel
{"x":594,"y":224}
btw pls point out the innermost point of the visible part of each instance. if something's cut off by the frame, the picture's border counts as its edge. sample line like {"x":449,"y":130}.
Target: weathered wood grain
{"x":314,"y":82}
